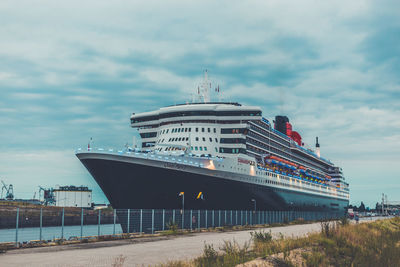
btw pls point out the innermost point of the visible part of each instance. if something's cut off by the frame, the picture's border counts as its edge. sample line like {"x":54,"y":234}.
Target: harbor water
{"x":55,"y":232}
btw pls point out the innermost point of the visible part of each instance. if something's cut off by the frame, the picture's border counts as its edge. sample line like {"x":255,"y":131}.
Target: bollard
{"x":129,"y":220}
{"x":152,"y":221}
{"x":163,"y":219}
{"x":62,"y":224}
{"x":98,"y":224}
{"x":81,"y":223}
{"x":115,"y":217}
{"x":41,"y":223}
{"x":16,"y":228}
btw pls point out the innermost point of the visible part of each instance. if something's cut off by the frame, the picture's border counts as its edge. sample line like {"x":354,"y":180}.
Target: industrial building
{"x":73,"y":196}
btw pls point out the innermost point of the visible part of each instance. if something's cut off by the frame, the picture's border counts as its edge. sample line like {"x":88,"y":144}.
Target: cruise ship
{"x":220,"y":155}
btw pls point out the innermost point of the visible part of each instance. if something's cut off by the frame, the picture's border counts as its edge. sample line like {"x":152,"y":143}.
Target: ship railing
{"x":190,"y":159}
{"x":309,"y":184}
{"x":311,"y":153}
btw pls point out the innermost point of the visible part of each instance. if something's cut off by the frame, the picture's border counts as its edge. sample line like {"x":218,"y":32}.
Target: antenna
{"x":203,"y":90}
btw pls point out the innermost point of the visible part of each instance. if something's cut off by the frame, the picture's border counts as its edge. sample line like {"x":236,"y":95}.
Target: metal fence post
{"x":16,"y":228}
{"x":115,"y":217}
{"x":98,"y":224}
{"x":129,"y":220}
{"x":191,"y":220}
{"x":206,"y":220}
{"x":163,"y":219}
{"x":81,"y":223}
{"x":41,"y":223}
{"x":236,"y":218}
{"x":198,"y":219}
{"x":183,"y":219}
{"x":62,"y":224}
{"x":225,"y":218}
{"x":141,"y":221}
{"x":152,"y":221}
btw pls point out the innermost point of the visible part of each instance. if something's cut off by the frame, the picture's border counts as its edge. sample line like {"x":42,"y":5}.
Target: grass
{"x":338,"y":244}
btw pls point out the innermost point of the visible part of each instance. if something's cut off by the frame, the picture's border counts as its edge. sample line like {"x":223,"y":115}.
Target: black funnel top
{"x":280,"y":123}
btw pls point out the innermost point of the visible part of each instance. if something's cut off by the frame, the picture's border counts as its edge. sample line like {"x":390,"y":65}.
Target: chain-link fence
{"x":22,"y":226}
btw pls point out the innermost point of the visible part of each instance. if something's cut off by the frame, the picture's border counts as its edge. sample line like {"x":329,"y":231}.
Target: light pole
{"x":182,"y":194}
{"x":255,"y":204}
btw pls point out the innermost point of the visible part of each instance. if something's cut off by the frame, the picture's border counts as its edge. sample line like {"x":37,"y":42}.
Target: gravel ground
{"x":138,"y":253}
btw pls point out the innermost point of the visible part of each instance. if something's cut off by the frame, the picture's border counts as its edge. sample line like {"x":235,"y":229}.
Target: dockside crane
{"x":9,"y":191}
{"x":48,"y":196}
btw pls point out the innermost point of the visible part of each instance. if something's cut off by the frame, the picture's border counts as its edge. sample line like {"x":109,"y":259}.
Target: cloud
{"x":68,"y":73}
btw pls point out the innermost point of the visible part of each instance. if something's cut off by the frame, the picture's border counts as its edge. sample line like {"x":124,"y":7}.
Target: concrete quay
{"x":145,"y":252}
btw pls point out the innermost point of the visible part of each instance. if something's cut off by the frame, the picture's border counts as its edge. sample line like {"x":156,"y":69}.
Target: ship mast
{"x":203,"y":90}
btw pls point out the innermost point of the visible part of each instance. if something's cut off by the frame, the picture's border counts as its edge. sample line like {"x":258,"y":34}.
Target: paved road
{"x":137,"y":254}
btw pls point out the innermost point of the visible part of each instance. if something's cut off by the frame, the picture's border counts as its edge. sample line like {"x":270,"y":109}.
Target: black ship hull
{"x":130,"y":185}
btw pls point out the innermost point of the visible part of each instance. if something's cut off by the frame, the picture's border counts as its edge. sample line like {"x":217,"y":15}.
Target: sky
{"x":71,"y":70}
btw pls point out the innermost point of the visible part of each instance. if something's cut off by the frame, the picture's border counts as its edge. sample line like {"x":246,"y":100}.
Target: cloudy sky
{"x":71,"y":70}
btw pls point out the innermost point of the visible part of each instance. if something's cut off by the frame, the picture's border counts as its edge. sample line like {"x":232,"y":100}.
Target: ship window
{"x":197,"y":129}
{"x":190,"y":129}
{"x":201,"y":148}
{"x":197,"y":139}
{"x":182,"y":129}
{"x":195,"y":148}
{"x":215,"y":130}
{"x":169,"y":140}
{"x":202,"y":130}
{"x":191,"y":148}
{"x":167,"y":131}
{"x":179,"y":139}
{"x":210,"y":139}
{"x":187,"y":138}
{"x":216,"y":140}
{"x":205,"y":148}
{"x":186,"y":130}
{"x":216,"y":149}
{"x":204,"y":139}
{"x":209,"y":130}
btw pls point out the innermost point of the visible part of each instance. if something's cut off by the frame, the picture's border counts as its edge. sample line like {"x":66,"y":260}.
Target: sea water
{"x":54,"y":232}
